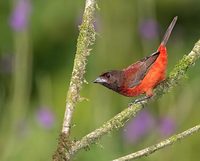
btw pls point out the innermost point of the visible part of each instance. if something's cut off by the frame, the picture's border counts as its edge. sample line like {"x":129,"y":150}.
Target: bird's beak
{"x":100,"y":80}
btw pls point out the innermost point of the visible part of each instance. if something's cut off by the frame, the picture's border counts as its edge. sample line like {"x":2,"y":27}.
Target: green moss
{"x":179,"y":71}
{"x":64,"y":145}
{"x":85,"y":39}
{"x":187,"y":60}
{"x":173,"y":138}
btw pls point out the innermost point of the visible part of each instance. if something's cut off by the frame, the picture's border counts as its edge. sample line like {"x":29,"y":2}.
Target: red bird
{"x":141,"y":77}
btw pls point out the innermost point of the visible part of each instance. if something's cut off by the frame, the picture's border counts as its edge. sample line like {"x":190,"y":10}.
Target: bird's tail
{"x":168,"y":32}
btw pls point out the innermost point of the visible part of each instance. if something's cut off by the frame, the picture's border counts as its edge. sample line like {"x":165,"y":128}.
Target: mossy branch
{"x":120,"y":119}
{"x":85,"y":39}
{"x":149,"y":150}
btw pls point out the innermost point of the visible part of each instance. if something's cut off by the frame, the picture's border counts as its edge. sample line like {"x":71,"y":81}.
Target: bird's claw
{"x":130,"y":104}
{"x":139,"y":100}
{"x":135,"y":102}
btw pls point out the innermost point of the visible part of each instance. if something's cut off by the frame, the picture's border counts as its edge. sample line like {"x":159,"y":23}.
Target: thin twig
{"x":151,"y":149}
{"x":120,"y":119}
{"x":85,"y":39}
{"x":116,"y":122}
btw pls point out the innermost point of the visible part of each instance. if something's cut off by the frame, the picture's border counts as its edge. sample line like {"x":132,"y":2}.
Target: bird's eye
{"x":108,"y":75}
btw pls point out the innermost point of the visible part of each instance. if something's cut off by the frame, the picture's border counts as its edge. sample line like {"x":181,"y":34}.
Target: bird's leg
{"x":141,"y":99}
{"x":149,"y":94}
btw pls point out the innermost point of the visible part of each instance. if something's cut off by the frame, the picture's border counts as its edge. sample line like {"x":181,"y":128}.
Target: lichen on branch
{"x":85,"y":39}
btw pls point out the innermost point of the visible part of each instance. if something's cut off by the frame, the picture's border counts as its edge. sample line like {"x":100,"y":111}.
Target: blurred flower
{"x":138,"y":127}
{"x":45,"y":117}
{"x":20,"y":15}
{"x":6,"y":63}
{"x":148,"y":29}
{"x":167,"y":126}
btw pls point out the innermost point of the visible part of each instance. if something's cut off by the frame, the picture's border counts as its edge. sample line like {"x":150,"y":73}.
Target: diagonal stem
{"x":151,"y":149}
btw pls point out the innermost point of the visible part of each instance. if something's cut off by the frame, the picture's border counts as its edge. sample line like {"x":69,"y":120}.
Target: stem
{"x":115,"y":123}
{"x":85,"y":39}
{"x":149,"y":150}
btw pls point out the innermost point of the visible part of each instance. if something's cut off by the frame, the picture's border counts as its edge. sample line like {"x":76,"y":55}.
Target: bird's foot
{"x":139,"y":100}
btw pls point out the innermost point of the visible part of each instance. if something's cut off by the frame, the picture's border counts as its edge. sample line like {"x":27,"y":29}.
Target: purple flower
{"x":138,"y":127}
{"x":167,"y":126}
{"x":45,"y":117}
{"x":20,"y":15}
{"x":148,"y":29}
{"x":6,"y":61}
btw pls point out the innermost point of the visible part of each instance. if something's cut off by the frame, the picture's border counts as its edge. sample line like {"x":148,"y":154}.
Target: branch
{"x":120,"y":119}
{"x":161,"y":145}
{"x":85,"y":39}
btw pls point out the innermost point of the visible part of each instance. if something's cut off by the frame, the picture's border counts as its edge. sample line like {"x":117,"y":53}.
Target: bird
{"x":142,"y":76}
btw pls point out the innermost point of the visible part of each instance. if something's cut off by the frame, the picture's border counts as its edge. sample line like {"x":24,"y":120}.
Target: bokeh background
{"x":37,"y":48}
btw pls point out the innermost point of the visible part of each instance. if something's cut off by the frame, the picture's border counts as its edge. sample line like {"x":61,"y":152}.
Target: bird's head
{"x":112,"y":79}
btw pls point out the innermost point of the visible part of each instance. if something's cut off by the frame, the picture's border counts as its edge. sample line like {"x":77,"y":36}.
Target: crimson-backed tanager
{"x":141,"y":77}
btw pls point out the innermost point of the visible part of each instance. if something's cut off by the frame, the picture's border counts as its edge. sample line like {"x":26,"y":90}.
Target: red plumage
{"x":142,"y":76}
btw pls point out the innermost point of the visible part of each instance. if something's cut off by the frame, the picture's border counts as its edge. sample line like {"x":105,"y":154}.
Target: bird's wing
{"x":137,"y":71}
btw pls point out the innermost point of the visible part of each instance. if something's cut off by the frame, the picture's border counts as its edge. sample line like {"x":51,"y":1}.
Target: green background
{"x":46,"y":50}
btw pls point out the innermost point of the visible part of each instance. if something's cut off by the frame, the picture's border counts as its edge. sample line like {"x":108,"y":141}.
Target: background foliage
{"x":37,"y":47}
